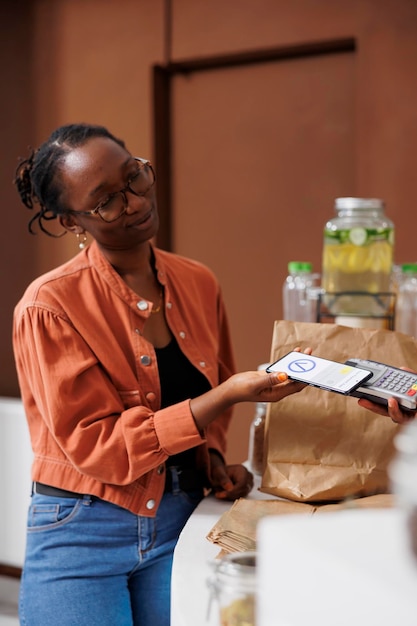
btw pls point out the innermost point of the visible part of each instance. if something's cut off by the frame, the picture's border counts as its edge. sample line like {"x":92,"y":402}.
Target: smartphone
{"x":317,"y":372}
{"x":387,"y":382}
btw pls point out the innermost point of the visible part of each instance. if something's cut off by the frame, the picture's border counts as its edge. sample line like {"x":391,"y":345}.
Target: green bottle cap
{"x":300,"y":266}
{"x":409,"y":268}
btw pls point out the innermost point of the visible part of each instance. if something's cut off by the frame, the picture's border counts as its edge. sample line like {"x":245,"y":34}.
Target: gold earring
{"x":81,"y":242}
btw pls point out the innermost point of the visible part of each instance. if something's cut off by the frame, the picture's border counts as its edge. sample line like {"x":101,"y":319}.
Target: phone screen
{"x":319,"y":372}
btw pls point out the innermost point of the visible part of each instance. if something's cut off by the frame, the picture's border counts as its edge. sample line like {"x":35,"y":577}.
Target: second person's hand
{"x":391,"y":410}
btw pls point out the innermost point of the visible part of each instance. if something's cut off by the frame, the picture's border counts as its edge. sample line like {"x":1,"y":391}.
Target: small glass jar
{"x":233,"y":586}
{"x":403,"y":477}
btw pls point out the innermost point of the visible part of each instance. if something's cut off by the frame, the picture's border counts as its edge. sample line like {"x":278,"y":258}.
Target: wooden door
{"x":259,"y":154}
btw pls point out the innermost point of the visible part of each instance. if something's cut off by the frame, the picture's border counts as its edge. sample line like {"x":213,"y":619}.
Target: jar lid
{"x":299,"y":266}
{"x":237,"y":562}
{"x":234,"y":575}
{"x":359,"y":203}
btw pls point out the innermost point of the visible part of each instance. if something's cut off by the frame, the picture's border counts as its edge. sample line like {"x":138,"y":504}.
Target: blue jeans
{"x":92,"y":563}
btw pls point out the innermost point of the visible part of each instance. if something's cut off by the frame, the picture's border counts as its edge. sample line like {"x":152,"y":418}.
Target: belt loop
{"x":175,"y":472}
{"x":87,"y":500}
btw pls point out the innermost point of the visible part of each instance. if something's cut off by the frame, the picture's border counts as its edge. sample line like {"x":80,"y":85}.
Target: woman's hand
{"x":256,"y":386}
{"x":392,"y":410}
{"x":260,"y":386}
{"x":229,"y":482}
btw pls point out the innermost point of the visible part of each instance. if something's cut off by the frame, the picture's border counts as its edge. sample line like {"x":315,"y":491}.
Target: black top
{"x":179,"y":380}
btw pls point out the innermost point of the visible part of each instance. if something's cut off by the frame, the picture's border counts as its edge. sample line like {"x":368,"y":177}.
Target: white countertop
{"x":190,"y":594}
{"x":334,"y":569}
{"x":191,"y":569}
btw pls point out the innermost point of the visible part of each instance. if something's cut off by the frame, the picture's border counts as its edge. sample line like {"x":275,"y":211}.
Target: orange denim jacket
{"x":89,"y":379}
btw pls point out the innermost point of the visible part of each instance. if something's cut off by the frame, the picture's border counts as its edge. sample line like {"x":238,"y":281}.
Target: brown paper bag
{"x":236,"y":529}
{"x":320,"y":445}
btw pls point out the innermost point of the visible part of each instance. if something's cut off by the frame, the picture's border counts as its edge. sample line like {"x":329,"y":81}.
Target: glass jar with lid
{"x":233,"y":587}
{"x":358,"y":252}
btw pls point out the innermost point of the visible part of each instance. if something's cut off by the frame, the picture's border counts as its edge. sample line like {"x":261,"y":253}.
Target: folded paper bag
{"x":236,"y":530}
{"x":319,"y":445}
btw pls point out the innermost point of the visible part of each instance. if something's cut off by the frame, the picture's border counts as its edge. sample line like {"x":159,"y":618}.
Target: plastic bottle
{"x":406,"y":307}
{"x":358,"y":254}
{"x":296,"y":303}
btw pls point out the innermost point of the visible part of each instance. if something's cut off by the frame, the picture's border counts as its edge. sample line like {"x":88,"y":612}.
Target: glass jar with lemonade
{"x":358,"y":254}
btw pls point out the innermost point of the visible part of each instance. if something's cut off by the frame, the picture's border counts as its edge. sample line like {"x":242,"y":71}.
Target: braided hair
{"x":37,"y":177}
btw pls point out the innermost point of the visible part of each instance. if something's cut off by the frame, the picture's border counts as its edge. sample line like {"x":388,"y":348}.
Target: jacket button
{"x":150,"y":504}
{"x":182,"y":334}
{"x":145,"y":359}
{"x":142,"y":305}
{"x":150,"y":396}
{"x":202,"y":364}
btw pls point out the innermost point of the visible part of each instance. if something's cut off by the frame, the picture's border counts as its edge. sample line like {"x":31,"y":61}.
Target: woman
{"x":127,"y":377}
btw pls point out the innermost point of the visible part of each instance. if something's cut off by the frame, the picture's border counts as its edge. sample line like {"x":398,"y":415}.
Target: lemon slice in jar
{"x":358,"y":236}
{"x":358,"y":259}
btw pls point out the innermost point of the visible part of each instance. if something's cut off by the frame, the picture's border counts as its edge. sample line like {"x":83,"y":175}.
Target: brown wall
{"x":17,"y":250}
{"x":339,"y":125}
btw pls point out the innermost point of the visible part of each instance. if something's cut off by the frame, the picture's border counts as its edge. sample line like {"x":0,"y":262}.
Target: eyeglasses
{"x":113,"y":207}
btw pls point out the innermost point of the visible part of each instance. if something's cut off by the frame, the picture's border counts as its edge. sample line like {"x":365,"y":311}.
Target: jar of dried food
{"x":233,"y":588}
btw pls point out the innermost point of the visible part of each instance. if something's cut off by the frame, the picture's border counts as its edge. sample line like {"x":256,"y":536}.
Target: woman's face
{"x":89,"y":174}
